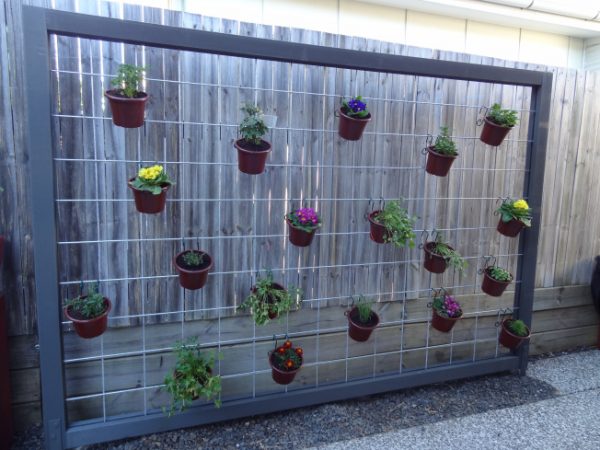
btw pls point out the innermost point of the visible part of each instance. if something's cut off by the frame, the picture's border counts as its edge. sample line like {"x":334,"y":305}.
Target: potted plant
{"x":392,"y":224}
{"x":285,"y":362}
{"x":495,"y":280}
{"x":150,"y":189}
{"x":446,"y":311}
{"x":127,"y":102}
{"x":191,"y":378}
{"x":268,"y":300}
{"x":514,"y":216}
{"x":193,"y":267}
{"x":89,"y":313}
{"x":441,"y":155}
{"x":438,"y":255}
{"x":354,"y":117}
{"x":302,"y":224}
{"x":362,"y":320}
{"x":497,"y":124}
{"x":251,"y":148}
{"x":513,"y":333}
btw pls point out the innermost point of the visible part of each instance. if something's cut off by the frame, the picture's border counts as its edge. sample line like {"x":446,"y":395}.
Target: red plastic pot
{"x":378,"y":231}
{"x":358,"y":331}
{"x":192,"y":279}
{"x":272,"y":314}
{"x":433,"y":262}
{"x":438,"y":164}
{"x":493,"y":134}
{"x":492,"y":286}
{"x":441,"y":323}
{"x":511,"y":228}
{"x":282,"y":376}
{"x":93,"y":327}
{"x":351,"y":128}
{"x":148,"y":203}
{"x":127,"y":112}
{"x":298,"y":237}
{"x":510,"y":340}
{"x":252,"y":159}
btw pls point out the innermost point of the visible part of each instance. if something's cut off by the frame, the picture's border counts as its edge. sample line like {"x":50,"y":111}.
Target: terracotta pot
{"x":127,"y":112}
{"x":351,"y":128}
{"x":510,"y":340}
{"x":272,"y":314}
{"x":441,"y":323}
{"x":493,"y":134}
{"x":298,"y":237}
{"x":434,"y":263}
{"x":251,"y":161}
{"x":148,"y":203}
{"x":438,"y":164}
{"x":93,"y":327}
{"x":357,"y":330}
{"x":511,"y":228}
{"x":282,"y":376}
{"x":192,"y":279}
{"x":491,"y":286}
{"x":378,"y":232}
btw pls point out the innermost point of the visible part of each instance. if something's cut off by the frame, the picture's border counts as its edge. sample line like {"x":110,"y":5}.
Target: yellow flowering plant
{"x":515,"y":209}
{"x":151,"y":179}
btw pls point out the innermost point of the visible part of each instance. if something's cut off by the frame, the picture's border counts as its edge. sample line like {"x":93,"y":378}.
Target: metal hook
{"x":482,"y":114}
{"x":424,"y":234}
{"x":428,"y":143}
{"x":381,"y":203}
{"x":503,"y":312}
{"x":488,"y":261}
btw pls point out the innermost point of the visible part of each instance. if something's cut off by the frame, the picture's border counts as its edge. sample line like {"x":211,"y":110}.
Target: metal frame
{"x":39,"y":24}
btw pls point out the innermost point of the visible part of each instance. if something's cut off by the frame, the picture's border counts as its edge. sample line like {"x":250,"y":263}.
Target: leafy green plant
{"x":517,"y":327}
{"x":267,"y":298}
{"x":452,"y":257}
{"x":499,"y":274}
{"x":253,"y":127}
{"x":503,"y":117}
{"x":151,"y":179}
{"x":193,"y":258}
{"x":87,"y":306}
{"x":398,"y":223}
{"x":365,"y":311}
{"x":444,"y":145}
{"x":128,"y":80}
{"x":515,"y":209}
{"x":191,"y":377}
{"x":355,"y":107}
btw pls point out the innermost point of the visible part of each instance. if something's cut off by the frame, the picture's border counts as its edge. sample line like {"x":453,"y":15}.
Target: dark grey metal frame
{"x":39,"y":24}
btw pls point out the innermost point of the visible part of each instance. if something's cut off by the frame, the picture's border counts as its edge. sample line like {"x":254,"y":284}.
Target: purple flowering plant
{"x":305,"y":219}
{"x":447,"y":306}
{"x":355,"y":107}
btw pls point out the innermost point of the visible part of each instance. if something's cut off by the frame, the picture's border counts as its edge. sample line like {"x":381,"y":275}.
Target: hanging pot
{"x":252,"y":158}
{"x":511,"y":228}
{"x":299,"y":237}
{"x":90,"y":328}
{"x":492,"y":286}
{"x":493,"y":134}
{"x":434,"y":262}
{"x":147,"y":202}
{"x":282,"y":376}
{"x":351,"y":128}
{"x":509,"y":339}
{"x":192,"y":278}
{"x":378,"y":231}
{"x":277,"y":286}
{"x":127,"y":112}
{"x":438,"y":164}
{"x":441,"y":323}
{"x":356,"y":329}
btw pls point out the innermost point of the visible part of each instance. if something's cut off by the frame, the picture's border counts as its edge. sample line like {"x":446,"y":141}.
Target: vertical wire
{"x":288,"y":178}
{"x":219,"y":193}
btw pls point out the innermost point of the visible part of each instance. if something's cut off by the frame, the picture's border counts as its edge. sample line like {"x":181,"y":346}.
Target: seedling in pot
{"x":88,"y":306}
{"x":128,"y":80}
{"x":503,"y":117}
{"x":499,"y":274}
{"x":251,"y":148}
{"x":397,"y":224}
{"x":517,"y":327}
{"x":193,"y":258}
{"x":127,"y":101}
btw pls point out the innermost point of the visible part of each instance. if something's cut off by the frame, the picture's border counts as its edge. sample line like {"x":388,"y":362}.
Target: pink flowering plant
{"x":447,"y":306}
{"x":305,"y":219}
{"x":355,"y":107}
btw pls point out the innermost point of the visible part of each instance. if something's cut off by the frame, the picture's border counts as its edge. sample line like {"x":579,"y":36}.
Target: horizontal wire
{"x":266,"y":199}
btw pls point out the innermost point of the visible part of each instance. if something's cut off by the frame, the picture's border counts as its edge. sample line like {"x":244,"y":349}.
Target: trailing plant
{"x":151,"y":179}
{"x":447,"y":306}
{"x":517,"y":327}
{"x":253,"y":127}
{"x":193,"y":258}
{"x":452,"y":257}
{"x":266,"y":298}
{"x":365,"y":311}
{"x":515,"y":209}
{"x":89,"y":306}
{"x":286,"y":357}
{"x":306,"y":219}
{"x":128,"y":79}
{"x":444,"y":145}
{"x":499,"y":274}
{"x":502,"y":117}
{"x":355,"y":107}
{"x":398,"y":223}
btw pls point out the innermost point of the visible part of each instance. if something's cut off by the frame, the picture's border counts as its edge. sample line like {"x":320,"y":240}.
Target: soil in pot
{"x":192,"y":277}
{"x":434,"y":262}
{"x":298,"y":237}
{"x":252,"y":157}
{"x":493,"y":134}
{"x":438,"y":164}
{"x":378,"y":231}
{"x":282,"y":376}
{"x":509,"y":339}
{"x":511,"y":228}
{"x":491,"y":286}
{"x":127,"y":112}
{"x":351,"y":128}
{"x":358,"y":330}
{"x":441,"y":323}
{"x":89,"y":328}
{"x":148,"y":203}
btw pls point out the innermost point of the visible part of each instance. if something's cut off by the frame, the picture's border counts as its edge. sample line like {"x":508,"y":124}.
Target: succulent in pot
{"x":496,"y":124}
{"x":89,"y":313}
{"x":285,"y":362}
{"x":439,"y":255}
{"x":495,"y":280}
{"x":193,"y":267}
{"x":150,"y":189}
{"x":252,"y":150}
{"x":269,"y":300}
{"x":514,"y":216}
{"x":127,"y":101}
{"x":302,"y":224}
{"x":354,"y":117}
{"x":191,"y":378}
{"x":362,"y":320}
{"x":441,"y":155}
{"x":513,"y":333}
{"x":392,"y":224}
{"x":446,"y":311}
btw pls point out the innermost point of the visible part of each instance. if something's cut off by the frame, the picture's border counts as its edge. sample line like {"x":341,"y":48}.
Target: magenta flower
{"x":304,"y":218}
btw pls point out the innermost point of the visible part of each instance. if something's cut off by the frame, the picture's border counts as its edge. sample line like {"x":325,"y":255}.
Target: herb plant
{"x":191,"y":377}
{"x":503,"y":117}
{"x":90,"y":306}
{"x":515,"y":209}
{"x":193,"y":258}
{"x":452,"y":257}
{"x":306,"y":219}
{"x":253,"y":127}
{"x":398,"y":223}
{"x":364,"y":310}
{"x":355,"y":107}
{"x":517,"y":327}
{"x":151,"y":179}
{"x":444,"y":145}
{"x":447,"y":306}
{"x":266,"y":298}
{"x":499,"y":274}
{"x":286,"y":357}
{"x":128,"y":80}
